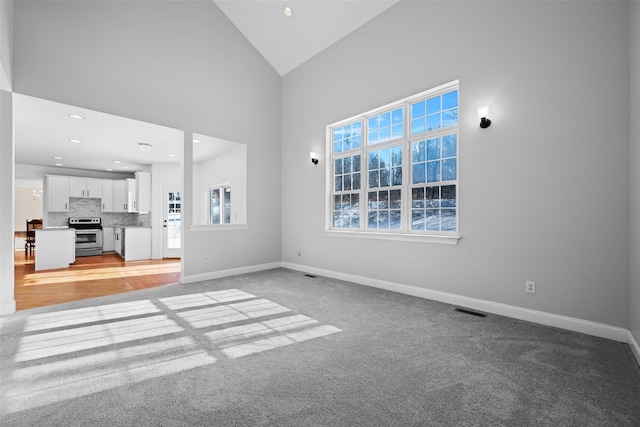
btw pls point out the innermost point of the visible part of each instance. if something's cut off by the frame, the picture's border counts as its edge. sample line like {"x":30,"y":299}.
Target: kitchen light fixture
{"x":59,"y":164}
{"x":314,"y":157}
{"x":57,"y":157}
{"x":75,"y":141}
{"x":287,"y":12}
{"x":109,"y":169}
{"x":144,"y":146}
{"x":117,"y":162}
{"x":197,"y":141}
{"x":483,"y":112}
{"x":125,"y":167}
{"x":76,"y":116}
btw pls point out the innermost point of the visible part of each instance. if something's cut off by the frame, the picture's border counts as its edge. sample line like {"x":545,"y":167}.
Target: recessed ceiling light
{"x":144,"y":146}
{"x":197,"y":141}
{"x":117,"y":162}
{"x":171,"y":155}
{"x":76,"y":116}
{"x":57,"y":157}
{"x":125,"y":167}
{"x":75,"y":141}
{"x":287,"y":12}
{"x":109,"y":169}
{"x":58,"y":164}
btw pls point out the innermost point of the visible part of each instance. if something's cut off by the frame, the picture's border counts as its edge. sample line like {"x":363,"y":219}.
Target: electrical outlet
{"x":530,"y":287}
{"x":206,"y":259}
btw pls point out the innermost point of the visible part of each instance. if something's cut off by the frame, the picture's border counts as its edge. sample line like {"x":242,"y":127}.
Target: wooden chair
{"x":30,"y":241}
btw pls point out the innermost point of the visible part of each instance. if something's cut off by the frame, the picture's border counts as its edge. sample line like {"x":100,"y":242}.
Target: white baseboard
{"x":635,"y":348}
{"x":548,"y":319}
{"x":226,"y":273}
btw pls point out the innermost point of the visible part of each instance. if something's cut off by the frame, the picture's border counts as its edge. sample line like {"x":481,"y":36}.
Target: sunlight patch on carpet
{"x":79,"y":376}
{"x":58,"y":319}
{"x":72,"y":353}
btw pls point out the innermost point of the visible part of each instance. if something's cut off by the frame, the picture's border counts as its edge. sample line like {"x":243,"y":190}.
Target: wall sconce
{"x":483,"y":112}
{"x":314,"y":157}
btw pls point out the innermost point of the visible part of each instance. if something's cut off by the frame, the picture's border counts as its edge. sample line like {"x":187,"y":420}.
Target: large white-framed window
{"x":393,"y":171}
{"x":219,"y":204}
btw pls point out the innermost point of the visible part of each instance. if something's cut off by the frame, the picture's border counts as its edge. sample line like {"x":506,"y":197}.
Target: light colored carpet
{"x":278,"y":348}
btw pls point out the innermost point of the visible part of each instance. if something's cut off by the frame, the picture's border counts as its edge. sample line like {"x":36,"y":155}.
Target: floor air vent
{"x":311,"y":275}
{"x":471,"y":312}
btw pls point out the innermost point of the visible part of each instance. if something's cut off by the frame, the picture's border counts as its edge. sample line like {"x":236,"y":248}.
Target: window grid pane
{"x":214,"y":209}
{"x":434,"y":208}
{"x":384,"y":209}
{"x":347,"y":137}
{"x":346,"y":211}
{"x":434,"y":113}
{"x":434,"y":160}
{"x":385,"y":167}
{"x":346,"y":173}
{"x":386,"y":126}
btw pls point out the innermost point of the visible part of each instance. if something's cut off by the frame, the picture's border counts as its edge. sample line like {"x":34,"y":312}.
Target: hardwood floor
{"x":89,"y":277}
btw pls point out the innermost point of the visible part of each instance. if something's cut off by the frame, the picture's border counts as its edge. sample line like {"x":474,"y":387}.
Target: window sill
{"x":218,"y":227}
{"x":404,"y":237}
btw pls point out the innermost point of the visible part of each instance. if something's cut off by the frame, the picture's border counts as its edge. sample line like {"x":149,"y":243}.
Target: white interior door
{"x":172,"y":222}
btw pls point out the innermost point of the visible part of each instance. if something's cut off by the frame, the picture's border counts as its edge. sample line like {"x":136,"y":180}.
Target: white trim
{"x":635,"y":348}
{"x":549,"y":319}
{"x":226,"y":273}
{"x":405,"y":237}
{"x":218,"y":227}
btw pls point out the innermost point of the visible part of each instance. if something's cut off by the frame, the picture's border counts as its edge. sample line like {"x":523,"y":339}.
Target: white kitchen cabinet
{"x":56,"y":248}
{"x":107,"y":195}
{"x":131,"y":195}
{"x":57,"y":193}
{"x":107,"y":239}
{"x":120,"y":195}
{"x":117,"y":240}
{"x":85,"y":187}
{"x":136,"y":243}
{"x":143,"y":192}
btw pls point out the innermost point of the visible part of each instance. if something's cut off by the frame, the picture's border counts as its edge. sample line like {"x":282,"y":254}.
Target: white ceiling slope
{"x":315,"y":25}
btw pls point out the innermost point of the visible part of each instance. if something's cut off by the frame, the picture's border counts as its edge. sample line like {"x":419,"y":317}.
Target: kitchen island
{"x":55,"y":248}
{"x":132,"y":243}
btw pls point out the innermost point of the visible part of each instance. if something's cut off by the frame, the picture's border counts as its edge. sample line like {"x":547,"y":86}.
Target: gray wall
{"x":6,"y":43}
{"x":634,"y":50}
{"x":179,"y":64}
{"x":543,"y":192}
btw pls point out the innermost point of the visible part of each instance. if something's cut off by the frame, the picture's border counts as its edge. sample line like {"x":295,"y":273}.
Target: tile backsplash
{"x":91,"y":208}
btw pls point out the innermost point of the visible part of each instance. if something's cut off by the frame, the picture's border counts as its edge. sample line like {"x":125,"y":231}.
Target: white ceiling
{"x":43,"y":128}
{"x":314,"y":25}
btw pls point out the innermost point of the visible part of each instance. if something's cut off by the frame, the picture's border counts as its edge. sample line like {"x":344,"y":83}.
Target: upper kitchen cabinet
{"x":107,"y":195}
{"x":85,"y":187}
{"x":131,"y":195}
{"x":143,"y":192}
{"x":120,"y":195}
{"x":138,"y":192}
{"x":56,"y":193}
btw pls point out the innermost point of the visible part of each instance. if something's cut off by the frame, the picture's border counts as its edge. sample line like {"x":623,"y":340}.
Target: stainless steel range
{"x":88,"y":235}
